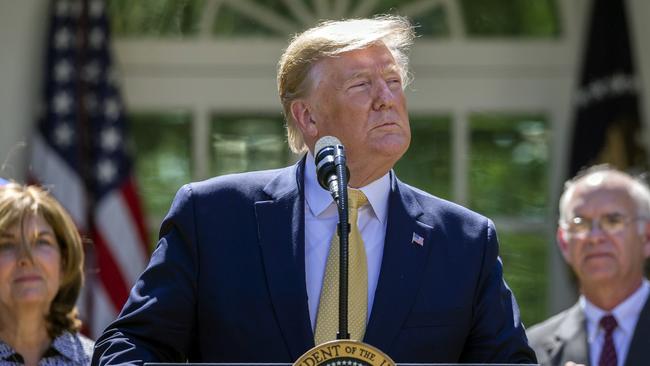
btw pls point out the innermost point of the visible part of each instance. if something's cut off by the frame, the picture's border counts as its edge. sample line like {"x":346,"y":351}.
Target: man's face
{"x":599,"y":257}
{"x":358,"y":98}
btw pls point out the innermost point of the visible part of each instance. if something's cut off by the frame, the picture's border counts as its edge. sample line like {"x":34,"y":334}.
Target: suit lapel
{"x":640,"y":345}
{"x":280,"y":223}
{"x":569,"y":343}
{"x":402,"y":262}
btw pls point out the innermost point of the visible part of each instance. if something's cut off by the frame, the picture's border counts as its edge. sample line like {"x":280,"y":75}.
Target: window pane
{"x":278,"y":18}
{"x":511,"y":18}
{"x":156,"y":18}
{"x":259,"y":18}
{"x":246,"y":143}
{"x":430,"y":17}
{"x":427,"y":163}
{"x":509,"y":165}
{"x":235,"y":21}
{"x":525,"y":261}
{"x":162,"y":163}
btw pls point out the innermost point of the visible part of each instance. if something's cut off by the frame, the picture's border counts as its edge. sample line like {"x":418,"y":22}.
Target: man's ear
{"x":302,"y":114}
{"x":563,"y":243}
{"x":646,"y":238}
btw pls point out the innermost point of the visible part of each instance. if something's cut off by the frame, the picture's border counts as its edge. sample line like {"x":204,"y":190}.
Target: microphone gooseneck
{"x":332,"y":173}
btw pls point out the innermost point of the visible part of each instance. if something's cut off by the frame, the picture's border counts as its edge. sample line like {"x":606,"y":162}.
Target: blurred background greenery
{"x":241,"y":18}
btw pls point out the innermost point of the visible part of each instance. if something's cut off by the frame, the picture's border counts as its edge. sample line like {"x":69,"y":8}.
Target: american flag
{"x":417,"y":239}
{"x":79,"y":153}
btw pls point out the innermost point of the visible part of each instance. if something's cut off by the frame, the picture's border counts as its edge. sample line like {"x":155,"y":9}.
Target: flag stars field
{"x":111,"y":109}
{"x":62,"y":8}
{"x":62,"y":71}
{"x":110,"y":139}
{"x":91,"y":72}
{"x":62,"y":103}
{"x":63,"y":135}
{"x":106,"y":171}
{"x":112,"y":77}
{"x":63,"y":39}
{"x":90,"y":103}
{"x":96,"y":8}
{"x":96,"y":38}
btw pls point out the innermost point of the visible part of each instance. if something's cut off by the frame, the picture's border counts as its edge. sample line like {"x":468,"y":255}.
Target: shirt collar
{"x":626,"y":313}
{"x":319,"y":200}
{"x":5,"y":350}
{"x":63,"y":345}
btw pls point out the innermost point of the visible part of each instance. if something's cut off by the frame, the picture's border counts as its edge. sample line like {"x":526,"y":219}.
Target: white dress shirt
{"x":321,"y":217}
{"x":626,"y":314}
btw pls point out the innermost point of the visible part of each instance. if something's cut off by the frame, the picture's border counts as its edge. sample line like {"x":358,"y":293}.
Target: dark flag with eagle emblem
{"x":608,"y":126}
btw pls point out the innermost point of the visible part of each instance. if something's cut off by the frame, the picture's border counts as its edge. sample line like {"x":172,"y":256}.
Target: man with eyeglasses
{"x":604,"y":235}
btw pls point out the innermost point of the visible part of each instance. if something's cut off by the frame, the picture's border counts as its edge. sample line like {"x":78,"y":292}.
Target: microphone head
{"x":324,"y":152}
{"x":326,"y":141}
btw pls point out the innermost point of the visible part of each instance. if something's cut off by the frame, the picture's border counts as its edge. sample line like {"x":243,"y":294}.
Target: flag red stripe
{"x":109,"y":273}
{"x":129,"y":191}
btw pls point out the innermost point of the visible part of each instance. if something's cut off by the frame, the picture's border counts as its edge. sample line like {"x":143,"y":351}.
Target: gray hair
{"x":637,"y":189}
{"x":331,"y":38}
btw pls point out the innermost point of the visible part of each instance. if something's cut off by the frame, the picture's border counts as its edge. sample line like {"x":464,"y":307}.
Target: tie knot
{"x":608,"y":322}
{"x":356,"y":198}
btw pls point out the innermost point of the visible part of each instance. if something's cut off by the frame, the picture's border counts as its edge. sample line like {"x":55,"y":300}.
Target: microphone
{"x":332,"y":173}
{"x":330,"y":154}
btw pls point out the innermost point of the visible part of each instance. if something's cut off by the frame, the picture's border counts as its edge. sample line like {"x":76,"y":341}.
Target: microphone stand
{"x":344,"y":231}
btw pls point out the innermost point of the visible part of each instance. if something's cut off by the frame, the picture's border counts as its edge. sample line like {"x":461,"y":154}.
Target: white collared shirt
{"x":626,"y":314}
{"x":321,"y":217}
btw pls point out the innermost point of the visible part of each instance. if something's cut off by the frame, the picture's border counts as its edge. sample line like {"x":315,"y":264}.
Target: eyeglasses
{"x":611,"y":224}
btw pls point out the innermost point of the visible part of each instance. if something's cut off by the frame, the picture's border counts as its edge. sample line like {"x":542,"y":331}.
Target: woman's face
{"x":30,"y":265}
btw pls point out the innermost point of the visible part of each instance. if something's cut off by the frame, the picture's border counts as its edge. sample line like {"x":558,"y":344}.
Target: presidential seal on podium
{"x":344,"y":352}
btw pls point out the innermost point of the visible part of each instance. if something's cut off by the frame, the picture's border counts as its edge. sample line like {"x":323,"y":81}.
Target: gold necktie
{"x":327,"y":320}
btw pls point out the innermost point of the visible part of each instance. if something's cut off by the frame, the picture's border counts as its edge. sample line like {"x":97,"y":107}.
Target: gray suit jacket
{"x":563,"y":338}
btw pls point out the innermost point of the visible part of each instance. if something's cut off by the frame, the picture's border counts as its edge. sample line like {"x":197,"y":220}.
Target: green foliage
{"x":427,"y":163}
{"x":525,"y":264}
{"x":509,"y":165}
{"x":511,"y":18}
{"x":245,"y":143}
{"x":231,"y":23}
{"x":430,"y":23}
{"x":163,"y":157}
{"x":155,"y":18}
{"x":482,"y":18}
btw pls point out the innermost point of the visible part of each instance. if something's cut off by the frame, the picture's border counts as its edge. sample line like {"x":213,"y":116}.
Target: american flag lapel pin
{"x":417,"y":239}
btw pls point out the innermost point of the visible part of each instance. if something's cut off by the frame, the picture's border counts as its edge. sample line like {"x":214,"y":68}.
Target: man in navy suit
{"x":238,"y":270}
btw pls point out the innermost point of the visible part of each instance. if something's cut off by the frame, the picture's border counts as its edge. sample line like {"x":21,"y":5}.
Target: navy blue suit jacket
{"x":226,"y":282}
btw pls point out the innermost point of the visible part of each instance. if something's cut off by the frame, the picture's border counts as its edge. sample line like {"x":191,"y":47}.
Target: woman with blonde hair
{"x":41,"y":274}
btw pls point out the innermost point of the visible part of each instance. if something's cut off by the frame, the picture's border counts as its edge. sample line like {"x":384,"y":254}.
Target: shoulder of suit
{"x":539,"y":332}
{"x":245,"y":183}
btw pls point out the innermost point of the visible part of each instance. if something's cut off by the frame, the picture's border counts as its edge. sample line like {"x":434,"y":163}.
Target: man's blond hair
{"x":331,"y":38}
